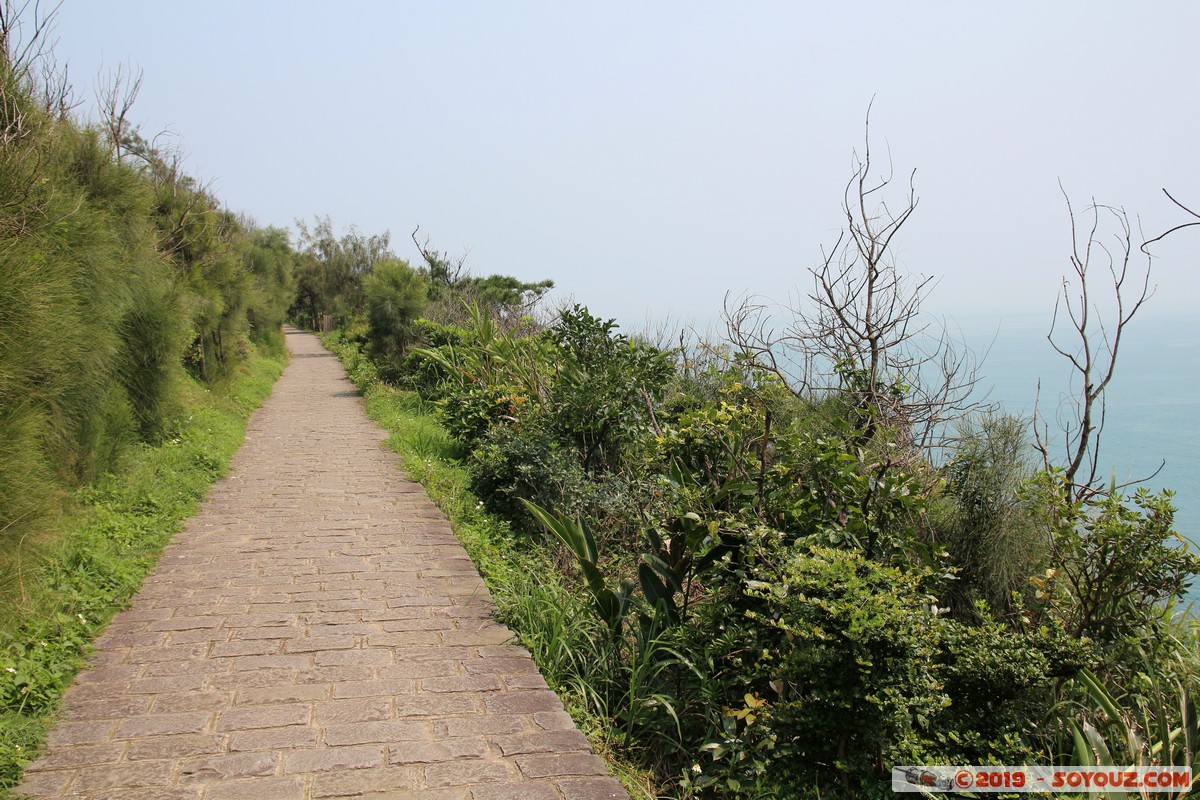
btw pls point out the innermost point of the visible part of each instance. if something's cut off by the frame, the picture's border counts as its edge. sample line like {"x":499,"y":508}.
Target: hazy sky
{"x":652,"y":156}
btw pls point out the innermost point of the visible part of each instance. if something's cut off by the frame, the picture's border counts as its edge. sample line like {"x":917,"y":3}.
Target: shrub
{"x":1001,"y":680}
{"x":848,"y":663}
{"x":1117,"y":563}
{"x":989,"y":532}
{"x":604,"y":387}
{"x":395,"y":296}
{"x":508,"y":465}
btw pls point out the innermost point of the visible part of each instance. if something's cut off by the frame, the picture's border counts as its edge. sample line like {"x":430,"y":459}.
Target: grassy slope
{"x":64,"y":589}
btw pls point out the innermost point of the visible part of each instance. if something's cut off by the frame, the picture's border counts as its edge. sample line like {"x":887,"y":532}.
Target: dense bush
{"x":395,"y":295}
{"x":841,"y":654}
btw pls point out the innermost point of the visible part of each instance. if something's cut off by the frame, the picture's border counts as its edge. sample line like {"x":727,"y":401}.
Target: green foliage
{"x":611,"y":604}
{"x":849,"y":496}
{"x":510,"y":464}
{"x":471,"y":369}
{"x":988,"y":530}
{"x":1153,"y":725}
{"x":717,"y":448}
{"x":331,"y":270}
{"x":152,"y":341}
{"x":848,"y":650}
{"x":272,"y":262}
{"x":501,"y":292}
{"x":422,"y":371}
{"x":604,"y":387}
{"x":395,"y":296}
{"x":1000,"y":680}
{"x":1116,"y":562}
{"x":546,"y":416}
{"x":85,"y":362}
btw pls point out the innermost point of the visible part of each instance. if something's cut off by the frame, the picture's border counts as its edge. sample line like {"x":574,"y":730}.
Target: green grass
{"x":62,"y":586}
{"x":550,"y":616}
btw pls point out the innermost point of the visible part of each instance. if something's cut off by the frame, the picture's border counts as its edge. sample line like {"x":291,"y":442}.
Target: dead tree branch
{"x":1090,"y":345}
{"x":1180,"y":227}
{"x":861,"y":334}
{"x":117,"y":93}
{"x":25,"y":29}
{"x":443,"y":270}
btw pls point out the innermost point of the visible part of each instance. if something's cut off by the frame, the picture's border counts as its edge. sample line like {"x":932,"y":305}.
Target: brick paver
{"x":316,"y":631}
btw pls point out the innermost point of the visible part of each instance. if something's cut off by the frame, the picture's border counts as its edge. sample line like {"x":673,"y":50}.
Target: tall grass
{"x":99,"y":313}
{"x":88,"y":327}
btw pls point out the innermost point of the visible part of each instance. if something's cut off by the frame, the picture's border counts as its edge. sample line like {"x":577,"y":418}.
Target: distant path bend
{"x":316,"y":631}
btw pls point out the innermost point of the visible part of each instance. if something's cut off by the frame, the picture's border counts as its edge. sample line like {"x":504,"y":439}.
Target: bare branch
{"x":1090,"y":349}
{"x":443,"y":270}
{"x":25,"y":29}
{"x":1180,"y":227}
{"x":117,"y":93}
{"x":56,"y":92}
{"x":860,"y":333}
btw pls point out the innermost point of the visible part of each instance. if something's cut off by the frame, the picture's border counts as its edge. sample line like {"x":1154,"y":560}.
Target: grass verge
{"x":531,"y":596}
{"x":63,"y":589}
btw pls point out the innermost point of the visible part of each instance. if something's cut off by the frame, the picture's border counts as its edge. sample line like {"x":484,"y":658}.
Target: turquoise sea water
{"x":1153,"y":402}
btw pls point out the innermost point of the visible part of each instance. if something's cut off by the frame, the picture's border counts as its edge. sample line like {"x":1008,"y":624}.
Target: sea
{"x":1152,"y":405}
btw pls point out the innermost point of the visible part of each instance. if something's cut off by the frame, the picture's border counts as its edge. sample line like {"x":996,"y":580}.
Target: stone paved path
{"x":316,"y":631}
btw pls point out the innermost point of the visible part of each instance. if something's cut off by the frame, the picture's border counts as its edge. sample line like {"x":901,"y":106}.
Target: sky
{"x":652,"y":157}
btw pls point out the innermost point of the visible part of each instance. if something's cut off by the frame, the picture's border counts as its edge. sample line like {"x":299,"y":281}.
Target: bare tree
{"x":443,"y":269}
{"x":117,"y":93}
{"x":24,"y":33}
{"x":861,"y":333}
{"x":1089,"y":343}
{"x":55,"y":89}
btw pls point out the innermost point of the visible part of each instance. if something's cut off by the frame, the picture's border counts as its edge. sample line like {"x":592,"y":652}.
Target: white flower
{"x":81,"y":619}
{"x":696,"y":769}
{"x":10,"y":669}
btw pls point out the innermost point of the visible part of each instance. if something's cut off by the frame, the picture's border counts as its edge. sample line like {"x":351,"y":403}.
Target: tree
{"x":443,"y":270}
{"x":332,"y":280}
{"x":395,"y":296}
{"x":117,"y":96}
{"x":1089,"y":344}
{"x":453,"y":289}
{"x":862,"y":335}
{"x":504,"y":293}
